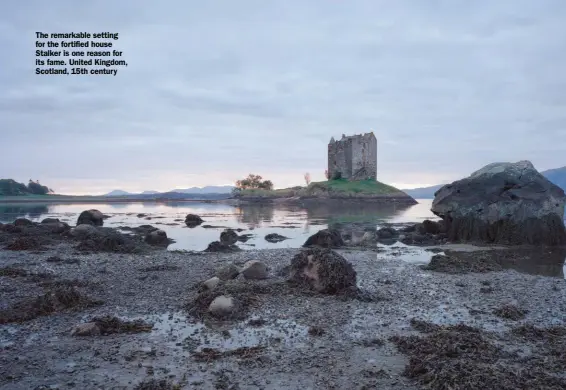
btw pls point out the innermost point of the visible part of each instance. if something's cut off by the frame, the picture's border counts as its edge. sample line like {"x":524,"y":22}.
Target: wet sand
{"x":294,"y":341}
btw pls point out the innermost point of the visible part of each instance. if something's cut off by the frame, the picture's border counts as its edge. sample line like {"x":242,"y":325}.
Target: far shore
{"x":100,"y":199}
{"x":377,"y":199}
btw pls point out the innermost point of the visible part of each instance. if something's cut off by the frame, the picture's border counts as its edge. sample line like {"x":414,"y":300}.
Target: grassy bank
{"x":340,"y":188}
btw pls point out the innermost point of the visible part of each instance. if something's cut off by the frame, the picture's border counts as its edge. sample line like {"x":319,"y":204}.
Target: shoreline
{"x":86,"y":199}
{"x":303,"y":340}
{"x":383,"y":200}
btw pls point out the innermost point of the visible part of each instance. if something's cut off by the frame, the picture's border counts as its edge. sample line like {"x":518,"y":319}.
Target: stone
{"x":22,"y":222}
{"x":217,"y":246}
{"x":430,"y":227}
{"x":387,"y":233}
{"x":58,"y":227}
{"x":91,"y":217}
{"x":228,"y":237}
{"x":503,"y":203}
{"x":255,"y":269}
{"x":50,"y":220}
{"x":193,"y":220}
{"x":222,"y":306}
{"x":228,"y":272}
{"x":211,"y":283}
{"x":323,"y":270}
{"x":326,"y":238}
{"x":84,"y":230}
{"x":274,"y":238}
{"x":244,"y":237}
{"x":86,"y":329}
{"x":410,"y":228}
{"x":157,"y":237}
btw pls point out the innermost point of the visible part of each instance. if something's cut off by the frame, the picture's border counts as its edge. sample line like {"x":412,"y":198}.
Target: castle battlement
{"x":354,"y":157}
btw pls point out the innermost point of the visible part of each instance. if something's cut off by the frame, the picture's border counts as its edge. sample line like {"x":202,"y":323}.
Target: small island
{"x":351,"y":175}
{"x":338,"y":189}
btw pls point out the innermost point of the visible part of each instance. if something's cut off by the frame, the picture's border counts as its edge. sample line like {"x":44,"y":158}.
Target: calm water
{"x":296,"y":223}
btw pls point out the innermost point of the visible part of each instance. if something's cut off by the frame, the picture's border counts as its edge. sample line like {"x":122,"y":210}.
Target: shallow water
{"x":296,"y":223}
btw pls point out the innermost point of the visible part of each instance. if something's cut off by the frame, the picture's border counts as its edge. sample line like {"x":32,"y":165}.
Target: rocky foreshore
{"x":88,"y":307}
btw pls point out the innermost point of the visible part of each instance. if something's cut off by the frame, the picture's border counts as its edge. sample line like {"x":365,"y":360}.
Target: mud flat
{"x":449,"y":326}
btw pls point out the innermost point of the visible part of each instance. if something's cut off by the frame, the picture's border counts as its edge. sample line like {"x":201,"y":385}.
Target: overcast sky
{"x":215,"y":90}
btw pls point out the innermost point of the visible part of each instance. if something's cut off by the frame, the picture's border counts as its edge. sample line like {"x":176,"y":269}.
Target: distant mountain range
{"x":192,"y":190}
{"x":557,"y":176}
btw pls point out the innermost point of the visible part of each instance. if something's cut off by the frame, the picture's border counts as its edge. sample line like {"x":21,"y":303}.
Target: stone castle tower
{"x":353,"y":157}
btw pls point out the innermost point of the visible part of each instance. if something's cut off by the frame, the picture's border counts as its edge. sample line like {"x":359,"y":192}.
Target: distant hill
{"x":557,"y":176}
{"x":206,"y":190}
{"x":118,"y":193}
{"x":192,"y":190}
{"x":423,"y":192}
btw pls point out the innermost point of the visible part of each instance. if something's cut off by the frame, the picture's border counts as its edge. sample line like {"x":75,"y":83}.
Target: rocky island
{"x":351,"y":176}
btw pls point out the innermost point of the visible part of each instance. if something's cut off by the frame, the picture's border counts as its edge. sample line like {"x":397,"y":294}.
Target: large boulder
{"x":327,"y":238}
{"x":323,"y":270}
{"x":91,"y":217}
{"x":503,"y":203}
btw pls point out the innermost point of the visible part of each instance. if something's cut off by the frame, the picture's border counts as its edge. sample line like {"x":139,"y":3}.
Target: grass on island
{"x":336,"y":187}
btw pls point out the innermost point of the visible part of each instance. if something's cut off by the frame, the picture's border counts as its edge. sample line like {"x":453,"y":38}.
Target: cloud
{"x":214,"y":90}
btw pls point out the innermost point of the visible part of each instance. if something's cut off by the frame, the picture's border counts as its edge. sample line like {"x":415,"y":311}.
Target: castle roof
{"x":351,"y":137}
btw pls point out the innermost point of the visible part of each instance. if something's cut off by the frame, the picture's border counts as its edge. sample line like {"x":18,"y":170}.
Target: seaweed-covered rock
{"x":108,"y":240}
{"x":22,"y":222}
{"x":326,"y":238}
{"x":431,"y":227}
{"x":83,"y":231}
{"x":217,"y":246}
{"x":503,"y":203}
{"x":228,"y":237}
{"x":50,"y":220}
{"x":91,"y":217}
{"x":386,"y":233}
{"x":323,"y":270}
{"x":193,"y":220}
{"x":157,"y":237}
{"x":58,"y":227}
